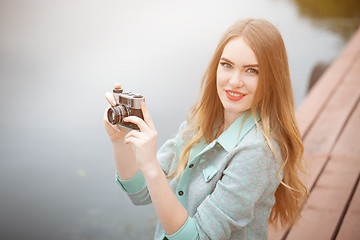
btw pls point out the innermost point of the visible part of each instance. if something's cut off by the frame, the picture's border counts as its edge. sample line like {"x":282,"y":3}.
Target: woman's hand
{"x":114,"y":131}
{"x":169,"y":209}
{"x":144,"y":140}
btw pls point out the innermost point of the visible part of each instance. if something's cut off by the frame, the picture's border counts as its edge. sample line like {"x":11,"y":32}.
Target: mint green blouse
{"x":227,"y":187}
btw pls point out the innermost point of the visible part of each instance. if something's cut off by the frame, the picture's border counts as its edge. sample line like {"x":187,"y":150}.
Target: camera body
{"x":127,"y":104}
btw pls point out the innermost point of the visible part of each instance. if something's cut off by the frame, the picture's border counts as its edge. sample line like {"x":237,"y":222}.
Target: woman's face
{"x":237,"y":77}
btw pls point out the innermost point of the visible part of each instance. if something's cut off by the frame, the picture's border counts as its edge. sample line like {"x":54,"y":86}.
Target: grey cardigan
{"x":227,"y":187}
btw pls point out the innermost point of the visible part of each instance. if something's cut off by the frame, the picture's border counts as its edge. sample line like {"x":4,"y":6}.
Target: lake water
{"x":57,"y":58}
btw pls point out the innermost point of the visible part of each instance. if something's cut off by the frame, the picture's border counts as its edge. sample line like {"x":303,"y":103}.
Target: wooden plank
{"x":330,"y":123}
{"x":317,"y":153}
{"x":350,"y":226}
{"x":323,"y":211}
{"x":351,"y":149}
{"x":324,"y":133}
{"x":276,"y":233}
{"x":328,"y":200}
{"x":316,"y":99}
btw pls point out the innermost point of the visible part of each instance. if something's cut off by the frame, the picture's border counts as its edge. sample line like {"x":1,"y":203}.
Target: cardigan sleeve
{"x":169,"y":152}
{"x":248,"y":180}
{"x":187,"y":232}
{"x":136,"y":187}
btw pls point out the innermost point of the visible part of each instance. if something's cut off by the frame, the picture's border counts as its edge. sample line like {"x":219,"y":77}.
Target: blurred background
{"x":58,"y":58}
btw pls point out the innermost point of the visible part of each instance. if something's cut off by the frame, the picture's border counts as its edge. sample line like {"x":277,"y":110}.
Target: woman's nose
{"x":236,"y":80}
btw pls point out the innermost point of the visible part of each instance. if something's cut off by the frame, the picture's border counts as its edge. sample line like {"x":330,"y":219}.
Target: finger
{"x":115,"y":127}
{"x":133,"y":140}
{"x":105,"y":115}
{"x":133,"y":133}
{"x":110,"y":98}
{"x":138,"y":121}
{"x":146,"y":115}
{"x":117,"y":86}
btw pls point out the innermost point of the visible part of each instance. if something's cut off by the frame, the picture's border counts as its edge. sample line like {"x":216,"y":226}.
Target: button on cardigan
{"x":227,"y":187}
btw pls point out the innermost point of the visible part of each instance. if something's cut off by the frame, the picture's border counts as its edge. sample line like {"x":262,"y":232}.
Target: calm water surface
{"x":57,"y":58}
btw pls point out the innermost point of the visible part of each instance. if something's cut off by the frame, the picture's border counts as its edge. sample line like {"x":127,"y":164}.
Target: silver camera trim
{"x":129,"y":99}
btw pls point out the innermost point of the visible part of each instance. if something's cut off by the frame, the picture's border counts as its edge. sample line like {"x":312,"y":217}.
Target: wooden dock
{"x":329,"y":120}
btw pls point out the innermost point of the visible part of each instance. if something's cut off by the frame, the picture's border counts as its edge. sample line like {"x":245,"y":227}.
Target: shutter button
{"x":181,"y":193}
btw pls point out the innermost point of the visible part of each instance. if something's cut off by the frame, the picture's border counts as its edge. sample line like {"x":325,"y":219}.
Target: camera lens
{"x":116,"y":114}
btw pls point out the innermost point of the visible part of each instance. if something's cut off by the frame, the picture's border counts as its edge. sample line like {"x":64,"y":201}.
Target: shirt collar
{"x":233,"y":135}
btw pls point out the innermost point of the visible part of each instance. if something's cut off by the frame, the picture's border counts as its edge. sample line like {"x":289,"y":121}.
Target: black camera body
{"x":127,"y":104}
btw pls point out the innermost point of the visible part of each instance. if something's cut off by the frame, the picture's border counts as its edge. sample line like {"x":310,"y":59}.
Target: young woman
{"x":233,"y":165}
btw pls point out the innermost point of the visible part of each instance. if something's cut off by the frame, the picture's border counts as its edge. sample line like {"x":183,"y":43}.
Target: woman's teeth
{"x":235,"y":94}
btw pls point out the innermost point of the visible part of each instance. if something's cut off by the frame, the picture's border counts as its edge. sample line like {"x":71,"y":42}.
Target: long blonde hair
{"x":273,"y":101}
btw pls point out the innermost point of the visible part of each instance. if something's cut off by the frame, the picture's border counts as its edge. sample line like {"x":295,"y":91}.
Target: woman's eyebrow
{"x":251,"y":65}
{"x":247,"y":65}
{"x":227,"y":60}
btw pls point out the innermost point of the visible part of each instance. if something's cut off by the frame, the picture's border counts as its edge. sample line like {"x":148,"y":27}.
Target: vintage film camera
{"x":127,"y":104}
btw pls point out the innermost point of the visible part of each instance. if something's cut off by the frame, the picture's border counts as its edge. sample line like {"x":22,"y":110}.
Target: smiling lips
{"x":234,"y":95}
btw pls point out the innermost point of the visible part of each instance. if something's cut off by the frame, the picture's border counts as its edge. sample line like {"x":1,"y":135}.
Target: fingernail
{"x":114,"y":102}
{"x":119,"y":130}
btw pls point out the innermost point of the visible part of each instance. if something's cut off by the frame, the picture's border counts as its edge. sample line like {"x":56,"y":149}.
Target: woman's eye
{"x":252,"y":70}
{"x":225,"y":65}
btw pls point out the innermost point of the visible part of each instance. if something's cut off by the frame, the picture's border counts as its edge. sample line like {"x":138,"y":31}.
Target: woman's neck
{"x":229,"y":118}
